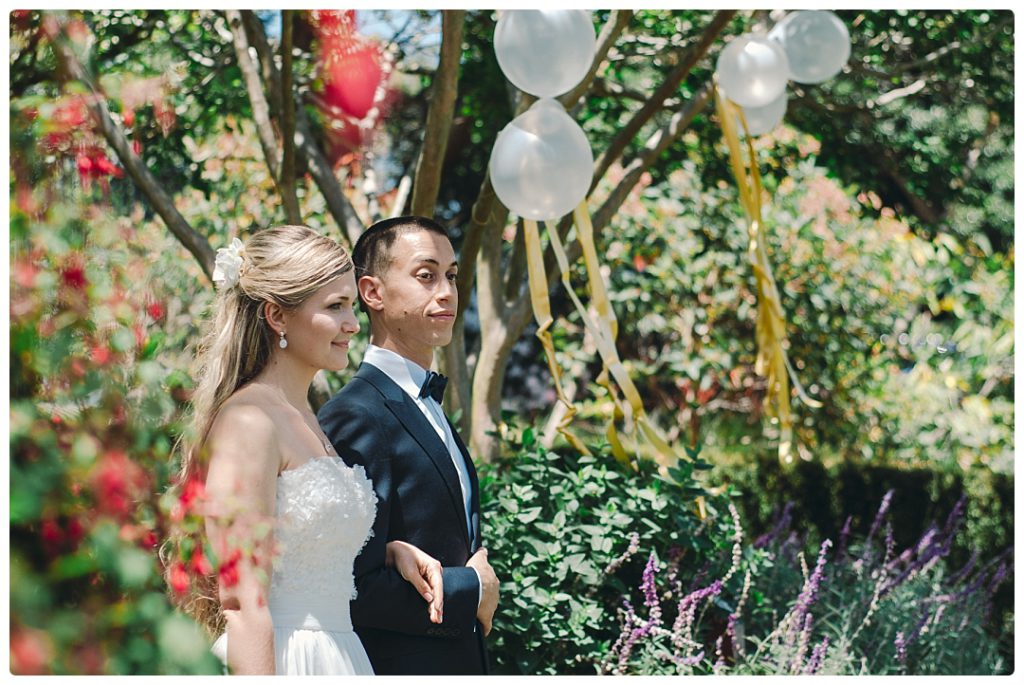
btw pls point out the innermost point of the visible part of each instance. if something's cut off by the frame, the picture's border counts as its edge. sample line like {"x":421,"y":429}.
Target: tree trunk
{"x":439,"y":117}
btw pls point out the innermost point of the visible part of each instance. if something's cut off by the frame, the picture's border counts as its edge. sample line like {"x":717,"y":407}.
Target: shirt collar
{"x":407,"y":374}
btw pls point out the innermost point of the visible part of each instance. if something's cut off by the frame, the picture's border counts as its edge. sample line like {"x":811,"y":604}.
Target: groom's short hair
{"x":372,"y":252}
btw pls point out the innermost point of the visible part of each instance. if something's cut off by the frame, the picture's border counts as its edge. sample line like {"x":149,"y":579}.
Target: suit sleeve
{"x":384,"y":599}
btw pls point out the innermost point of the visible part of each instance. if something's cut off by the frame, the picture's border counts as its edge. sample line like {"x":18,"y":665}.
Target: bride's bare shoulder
{"x":245,"y":428}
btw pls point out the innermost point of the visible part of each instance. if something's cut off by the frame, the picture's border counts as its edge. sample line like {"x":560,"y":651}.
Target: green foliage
{"x":875,"y":315}
{"x":950,"y":116}
{"x":104,"y":308}
{"x":569,"y":536}
{"x":561,"y":532}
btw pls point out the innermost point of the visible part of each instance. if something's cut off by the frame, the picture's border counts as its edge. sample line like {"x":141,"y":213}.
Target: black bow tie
{"x":434,"y":385}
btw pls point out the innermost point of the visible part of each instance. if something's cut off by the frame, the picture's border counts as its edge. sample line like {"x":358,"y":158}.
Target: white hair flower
{"x":228,"y":264}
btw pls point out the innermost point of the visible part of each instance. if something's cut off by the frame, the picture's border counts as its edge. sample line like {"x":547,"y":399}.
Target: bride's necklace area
{"x":313,"y":427}
{"x":328,"y":447}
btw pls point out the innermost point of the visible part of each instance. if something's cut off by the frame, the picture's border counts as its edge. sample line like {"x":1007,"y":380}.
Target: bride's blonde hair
{"x":284,"y":265}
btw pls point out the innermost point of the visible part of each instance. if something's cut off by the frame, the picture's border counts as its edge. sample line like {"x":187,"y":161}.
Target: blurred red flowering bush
{"x":96,"y":405}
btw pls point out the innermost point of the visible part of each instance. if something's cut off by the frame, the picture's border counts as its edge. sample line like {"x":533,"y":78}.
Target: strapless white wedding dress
{"x":325,"y":511}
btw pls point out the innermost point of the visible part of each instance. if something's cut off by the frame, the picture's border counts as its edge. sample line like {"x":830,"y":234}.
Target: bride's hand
{"x":423,"y":571}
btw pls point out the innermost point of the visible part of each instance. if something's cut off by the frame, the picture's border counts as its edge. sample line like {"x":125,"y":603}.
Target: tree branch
{"x":612,"y":29}
{"x":349,"y":223}
{"x":254,"y":87}
{"x":162,"y":204}
{"x":657,"y":101}
{"x":287,"y":184}
{"x":439,"y":116}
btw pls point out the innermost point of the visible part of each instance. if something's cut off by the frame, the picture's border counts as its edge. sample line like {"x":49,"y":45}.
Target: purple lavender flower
{"x":998,"y":577}
{"x":682,"y":628}
{"x":928,"y":549}
{"x":648,"y":583}
{"x":963,"y":572}
{"x":882,"y":509}
{"x":640,"y":629}
{"x":844,"y":535}
{"x":955,"y":517}
{"x":817,"y":657}
{"x":634,"y":545}
{"x":901,"y":648}
{"x":730,"y":631}
{"x":808,"y":593}
{"x":801,"y":650}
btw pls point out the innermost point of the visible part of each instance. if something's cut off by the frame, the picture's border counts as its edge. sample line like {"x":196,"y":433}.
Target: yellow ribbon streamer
{"x":603,"y":329}
{"x":542,"y":313}
{"x":770,"y":329}
{"x":609,"y":329}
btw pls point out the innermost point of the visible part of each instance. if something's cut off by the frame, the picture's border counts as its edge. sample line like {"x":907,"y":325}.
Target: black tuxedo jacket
{"x":373,"y":422}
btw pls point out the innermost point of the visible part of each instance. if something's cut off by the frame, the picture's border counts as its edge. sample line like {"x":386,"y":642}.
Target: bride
{"x":283,"y":512}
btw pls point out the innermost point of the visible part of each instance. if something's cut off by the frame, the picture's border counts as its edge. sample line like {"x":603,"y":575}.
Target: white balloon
{"x":764,"y":119}
{"x":544,"y":52}
{"x":541,"y":165}
{"x":752,"y":70}
{"x":816,"y":42}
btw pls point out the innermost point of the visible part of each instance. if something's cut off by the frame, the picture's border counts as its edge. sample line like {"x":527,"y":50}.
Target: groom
{"x":389,"y":419}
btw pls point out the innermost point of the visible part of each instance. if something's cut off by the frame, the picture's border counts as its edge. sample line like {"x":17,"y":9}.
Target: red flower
{"x":29,"y":652}
{"x":129,"y":116}
{"x":24,"y":273}
{"x":73,"y":276}
{"x":50,"y":532}
{"x":115,"y":482}
{"x":192,"y":493}
{"x":200,"y":565}
{"x":155,"y":310}
{"x":164,"y":115}
{"x":106,"y":167}
{"x":85,"y":165}
{"x":75,"y":530}
{"x":71,"y":114}
{"x":100,"y":354}
{"x":149,"y":539}
{"x":178,"y":578}
{"x":228,"y":573}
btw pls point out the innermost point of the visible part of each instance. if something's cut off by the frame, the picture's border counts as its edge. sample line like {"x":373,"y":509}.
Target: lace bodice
{"x":325,"y":511}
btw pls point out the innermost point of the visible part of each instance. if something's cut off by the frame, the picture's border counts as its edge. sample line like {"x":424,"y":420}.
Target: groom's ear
{"x":370,"y":292}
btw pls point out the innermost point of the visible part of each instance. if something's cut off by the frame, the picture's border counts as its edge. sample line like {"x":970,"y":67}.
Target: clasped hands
{"x":425,"y":574}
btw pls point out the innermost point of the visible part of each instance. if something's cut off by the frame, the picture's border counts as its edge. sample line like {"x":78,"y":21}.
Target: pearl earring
{"x":282,"y":343}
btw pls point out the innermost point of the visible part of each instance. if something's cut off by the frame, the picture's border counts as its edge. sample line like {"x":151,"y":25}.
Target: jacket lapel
{"x":418,"y":426}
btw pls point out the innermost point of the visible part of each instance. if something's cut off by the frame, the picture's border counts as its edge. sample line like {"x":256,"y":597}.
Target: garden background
{"x":881,"y":543}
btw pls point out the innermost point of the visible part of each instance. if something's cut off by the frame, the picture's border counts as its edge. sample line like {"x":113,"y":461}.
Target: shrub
{"x":862,"y":609}
{"x":93,"y":417}
{"x":610,"y":569}
{"x":563,"y":529}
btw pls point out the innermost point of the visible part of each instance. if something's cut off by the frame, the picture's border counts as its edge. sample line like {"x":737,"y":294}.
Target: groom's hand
{"x":489,"y":585}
